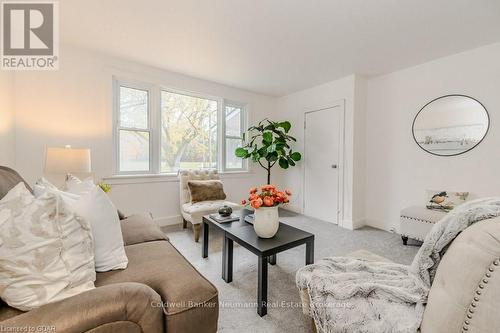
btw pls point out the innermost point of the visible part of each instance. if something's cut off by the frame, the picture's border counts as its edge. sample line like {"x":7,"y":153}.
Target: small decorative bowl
{"x":225,"y":211}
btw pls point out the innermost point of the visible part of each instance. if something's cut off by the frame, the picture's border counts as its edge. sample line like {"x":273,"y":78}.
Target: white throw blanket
{"x":351,"y":295}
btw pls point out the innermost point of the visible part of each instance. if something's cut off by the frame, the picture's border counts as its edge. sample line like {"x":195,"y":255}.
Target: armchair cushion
{"x":140,"y":228}
{"x":194,"y":212}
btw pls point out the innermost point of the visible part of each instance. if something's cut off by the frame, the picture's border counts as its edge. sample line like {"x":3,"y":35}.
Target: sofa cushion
{"x":159,"y":265}
{"x":166,"y":271}
{"x":140,"y":228}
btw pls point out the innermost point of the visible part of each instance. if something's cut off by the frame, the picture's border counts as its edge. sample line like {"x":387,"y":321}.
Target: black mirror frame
{"x":444,"y":96}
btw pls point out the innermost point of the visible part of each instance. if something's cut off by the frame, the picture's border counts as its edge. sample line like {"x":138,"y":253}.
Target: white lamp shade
{"x":64,"y":160}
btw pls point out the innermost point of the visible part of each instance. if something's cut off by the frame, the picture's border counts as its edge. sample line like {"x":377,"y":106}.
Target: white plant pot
{"x":266,"y":221}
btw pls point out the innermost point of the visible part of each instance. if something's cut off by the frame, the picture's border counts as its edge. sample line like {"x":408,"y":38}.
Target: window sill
{"x":161,"y":178}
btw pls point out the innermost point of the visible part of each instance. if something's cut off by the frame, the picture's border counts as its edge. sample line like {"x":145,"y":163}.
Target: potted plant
{"x":265,"y":201}
{"x":268,"y":143}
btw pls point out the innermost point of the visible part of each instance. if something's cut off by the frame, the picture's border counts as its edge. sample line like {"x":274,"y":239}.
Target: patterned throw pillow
{"x":46,"y":252}
{"x":445,"y":200}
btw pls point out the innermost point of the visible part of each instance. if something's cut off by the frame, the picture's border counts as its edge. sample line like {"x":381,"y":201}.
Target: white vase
{"x":266,"y":221}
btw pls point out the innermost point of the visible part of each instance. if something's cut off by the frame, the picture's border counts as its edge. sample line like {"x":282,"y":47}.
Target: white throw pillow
{"x":91,"y":203}
{"x":96,"y":207}
{"x":41,"y":186}
{"x":76,"y":186}
{"x":46,"y":251}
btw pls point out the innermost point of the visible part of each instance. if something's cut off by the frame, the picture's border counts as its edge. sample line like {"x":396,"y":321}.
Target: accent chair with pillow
{"x":147,"y":296}
{"x":201,"y":193}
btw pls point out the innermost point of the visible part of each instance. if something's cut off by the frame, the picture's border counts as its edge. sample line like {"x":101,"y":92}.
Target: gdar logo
{"x":30,"y":35}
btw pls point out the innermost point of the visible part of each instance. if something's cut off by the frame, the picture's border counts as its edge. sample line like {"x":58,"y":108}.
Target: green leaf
{"x":241,"y":152}
{"x":271,"y":148}
{"x":283,"y":163}
{"x":295,"y":156}
{"x":290,"y":161}
{"x":280,"y":140}
{"x":262,"y":152}
{"x":267,"y":137}
{"x":285,"y":125}
{"x":271,"y":157}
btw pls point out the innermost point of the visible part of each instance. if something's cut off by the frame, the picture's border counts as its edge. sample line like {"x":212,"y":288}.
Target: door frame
{"x":340,"y":163}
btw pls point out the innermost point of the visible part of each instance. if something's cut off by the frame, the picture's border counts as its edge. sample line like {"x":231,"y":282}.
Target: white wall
{"x":384,"y":169}
{"x":359,"y":152}
{"x":292,"y":107}
{"x":74,"y":106}
{"x":7,"y":127}
{"x":398,"y":172}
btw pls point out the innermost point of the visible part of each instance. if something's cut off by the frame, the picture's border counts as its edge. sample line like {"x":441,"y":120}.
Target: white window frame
{"x":117,"y":84}
{"x":224,"y":136}
{"x":154,"y":126}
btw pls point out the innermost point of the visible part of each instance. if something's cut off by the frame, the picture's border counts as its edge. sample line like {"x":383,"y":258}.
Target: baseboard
{"x":168,"y":220}
{"x":347,"y":224}
{"x":382,"y":226}
{"x":359,"y":224}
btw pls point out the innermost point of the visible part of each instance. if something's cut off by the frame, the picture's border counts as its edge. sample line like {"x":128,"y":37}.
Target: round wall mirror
{"x":450,"y":125}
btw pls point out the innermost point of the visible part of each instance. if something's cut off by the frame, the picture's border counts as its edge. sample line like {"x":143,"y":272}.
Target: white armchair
{"x":194,"y":212}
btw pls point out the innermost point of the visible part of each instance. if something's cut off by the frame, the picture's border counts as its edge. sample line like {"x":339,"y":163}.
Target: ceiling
{"x":277,"y":47}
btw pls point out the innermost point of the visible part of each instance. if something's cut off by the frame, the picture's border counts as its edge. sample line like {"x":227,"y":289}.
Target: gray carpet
{"x":238,"y":308}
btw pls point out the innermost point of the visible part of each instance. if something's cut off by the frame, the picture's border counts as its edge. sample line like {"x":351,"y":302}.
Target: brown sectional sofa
{"x":159,"y":291}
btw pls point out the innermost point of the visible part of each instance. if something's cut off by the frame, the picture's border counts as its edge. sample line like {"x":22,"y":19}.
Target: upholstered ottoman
{"x":416,"y":221}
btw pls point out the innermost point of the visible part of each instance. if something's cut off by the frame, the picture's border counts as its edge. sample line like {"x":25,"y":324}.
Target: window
{"x":161,"y":131}
{"x":134,"y":133}
{"x":232,"y":136}
{"x":188,"y":132}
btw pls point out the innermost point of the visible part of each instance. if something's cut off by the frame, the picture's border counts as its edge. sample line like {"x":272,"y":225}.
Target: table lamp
{"x":67,"y":160}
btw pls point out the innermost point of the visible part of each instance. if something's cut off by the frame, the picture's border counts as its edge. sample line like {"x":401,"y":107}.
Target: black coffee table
{"x":243,"y":233}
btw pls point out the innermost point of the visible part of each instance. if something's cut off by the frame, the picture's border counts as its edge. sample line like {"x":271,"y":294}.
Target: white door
{"x":323,"y":144}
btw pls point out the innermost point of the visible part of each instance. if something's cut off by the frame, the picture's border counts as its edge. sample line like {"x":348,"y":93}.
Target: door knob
{"x":334,"y":166}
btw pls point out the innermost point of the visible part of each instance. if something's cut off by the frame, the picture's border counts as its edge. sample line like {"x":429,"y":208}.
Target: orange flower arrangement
{"x":269,"y":196}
